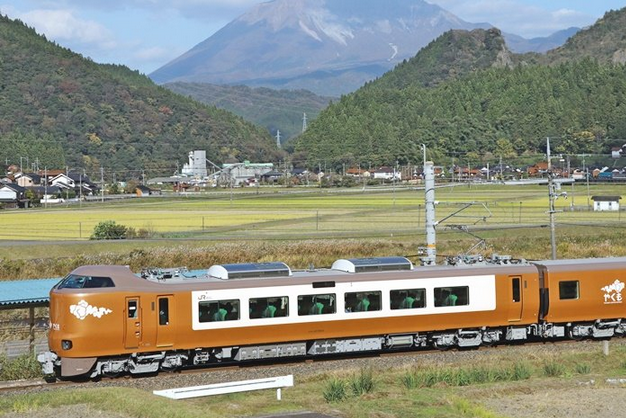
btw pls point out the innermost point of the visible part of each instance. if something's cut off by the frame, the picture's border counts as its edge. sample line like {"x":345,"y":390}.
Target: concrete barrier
{"x":230,"y":387}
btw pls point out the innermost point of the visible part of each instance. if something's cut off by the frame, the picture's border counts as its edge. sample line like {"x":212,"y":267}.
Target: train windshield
{"x":74,"y":281}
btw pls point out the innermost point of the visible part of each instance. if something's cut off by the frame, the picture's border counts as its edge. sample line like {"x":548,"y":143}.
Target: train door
{"x":132,"y":334}
{"x":165,"y":321}
{"x":515,"y":298}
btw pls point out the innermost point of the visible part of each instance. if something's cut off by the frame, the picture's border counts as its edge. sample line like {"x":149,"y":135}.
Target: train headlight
{"x":66,"y":344}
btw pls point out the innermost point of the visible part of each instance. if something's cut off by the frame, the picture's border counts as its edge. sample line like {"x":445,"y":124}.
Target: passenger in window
{"x":163,"y":318}
{"x":317,"y":308}
{"x":408,"y":301}
{"x":364,"y":303}
{"x":304,"y":306}
{"x":220,"y":315}
{"x":374,"y":299}
{"x":231,"y":312}
{"x":351,"y":302}
{"x":449,"y":299}
{"x":269,"y":311}
{"x":223,"y":313}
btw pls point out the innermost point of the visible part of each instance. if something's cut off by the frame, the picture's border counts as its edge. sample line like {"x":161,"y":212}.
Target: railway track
{"x":302,"y":368}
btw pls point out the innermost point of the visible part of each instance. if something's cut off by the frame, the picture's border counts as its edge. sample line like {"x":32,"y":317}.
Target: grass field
{"x":425,"y":389}
{"x":303,"y":214}
{"x":303,"y":227}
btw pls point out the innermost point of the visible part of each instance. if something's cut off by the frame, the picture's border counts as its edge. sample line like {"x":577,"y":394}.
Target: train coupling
{"x":48,"y":361}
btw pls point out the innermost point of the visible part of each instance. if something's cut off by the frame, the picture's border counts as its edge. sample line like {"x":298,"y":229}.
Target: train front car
{"x":86,"y":310}
{"x":582,"y":298}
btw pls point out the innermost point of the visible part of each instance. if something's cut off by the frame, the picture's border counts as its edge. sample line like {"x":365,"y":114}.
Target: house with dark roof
{"x":28,"y":179}
{"x":13,"y":195}
{"x":47,"y":194}
{"x":75,"y":181}
{"x":606,"y":203}
{"x":142,"y":190}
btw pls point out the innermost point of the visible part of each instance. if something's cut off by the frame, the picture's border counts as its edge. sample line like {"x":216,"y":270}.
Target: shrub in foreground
{"x":23,"y":367}
{"x":335,"y":391}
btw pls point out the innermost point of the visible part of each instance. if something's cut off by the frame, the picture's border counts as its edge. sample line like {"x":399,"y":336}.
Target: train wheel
{"x":572,"y":336}
{"x":172,"y":369}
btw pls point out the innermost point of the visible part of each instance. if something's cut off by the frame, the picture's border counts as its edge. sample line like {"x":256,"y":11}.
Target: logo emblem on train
{"x":613,"y":292}
{"x":82,"y":310}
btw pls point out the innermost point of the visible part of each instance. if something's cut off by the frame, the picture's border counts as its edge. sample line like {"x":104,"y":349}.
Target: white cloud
{"x":195,"y":9}
{"x":63,"y":25}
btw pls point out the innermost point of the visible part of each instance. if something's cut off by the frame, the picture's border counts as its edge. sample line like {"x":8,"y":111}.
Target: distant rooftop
{"x":17,"y":294}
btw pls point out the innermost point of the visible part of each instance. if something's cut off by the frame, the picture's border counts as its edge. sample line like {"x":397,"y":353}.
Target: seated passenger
{"x":220,"y":315}
{"x":363,"y":305}
{"x":408,"y":302}
{"x":450,"y":300}
{"x":223,"y":313}
{"x":269,"y":312}
{"x":317,"y":308}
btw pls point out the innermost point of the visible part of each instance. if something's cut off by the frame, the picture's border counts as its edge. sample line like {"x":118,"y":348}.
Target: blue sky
{"x":145,"y":34}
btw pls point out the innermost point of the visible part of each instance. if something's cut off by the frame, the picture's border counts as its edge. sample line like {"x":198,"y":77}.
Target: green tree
{"x":109,"y":230}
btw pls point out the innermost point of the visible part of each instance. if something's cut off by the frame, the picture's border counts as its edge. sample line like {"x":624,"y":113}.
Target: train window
{"x":92,"y":282}
{"x":515,"y":283}
{"x":73,"y":281}
{"x":568,"y":290}
{"x":164,"y":311}
{"x":363,"y":301}
{"x":317,"y":304}
{"x":451,"y":296}
{"x":274,"y":307}
{"x":218,"y":310}
{"x":133,"y":312}
{"x":408,"y":298}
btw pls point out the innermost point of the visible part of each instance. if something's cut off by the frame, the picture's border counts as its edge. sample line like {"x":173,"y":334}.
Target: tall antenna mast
{"x":304,"y":122}
{"x":278,"y":138}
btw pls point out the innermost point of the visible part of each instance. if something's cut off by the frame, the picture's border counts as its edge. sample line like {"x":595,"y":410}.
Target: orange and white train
{"x":106,"y":320}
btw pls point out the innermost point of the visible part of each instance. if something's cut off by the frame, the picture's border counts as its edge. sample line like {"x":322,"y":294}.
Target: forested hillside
{"x":498,"y":104}
{"x":274,"y":109}
{"x":604,"y":41}
{"x":451,"y":56}
{"x":501,"y":111}
{"x":63,"y":109}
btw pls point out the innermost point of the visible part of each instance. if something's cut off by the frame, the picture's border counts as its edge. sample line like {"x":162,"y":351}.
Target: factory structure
{"x":196,"y":172}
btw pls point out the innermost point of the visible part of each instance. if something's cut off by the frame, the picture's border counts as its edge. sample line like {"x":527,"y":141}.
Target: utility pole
{"x":102,"y":183}
{"x":80,"y":191}
{"x":429,"y":189}
{"x":45,"y":186}
{"x":551,"y":198}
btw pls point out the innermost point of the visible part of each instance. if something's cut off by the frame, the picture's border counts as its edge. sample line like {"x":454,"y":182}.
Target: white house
{"x":63,"y":181}
{"x":13,"y":194}
{"x":605,"y":203}
{"x":387,"y":173}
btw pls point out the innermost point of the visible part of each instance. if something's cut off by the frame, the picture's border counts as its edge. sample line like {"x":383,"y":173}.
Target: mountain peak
{"x":333,"y":45}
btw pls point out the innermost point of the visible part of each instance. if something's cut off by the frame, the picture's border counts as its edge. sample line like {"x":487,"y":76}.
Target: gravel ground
{"x":564,"y":398}
{"x":562,"y":402}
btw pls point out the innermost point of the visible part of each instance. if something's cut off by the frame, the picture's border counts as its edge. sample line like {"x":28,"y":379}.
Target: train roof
{"x":608,"y":263}
{"x":125,"y":279}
